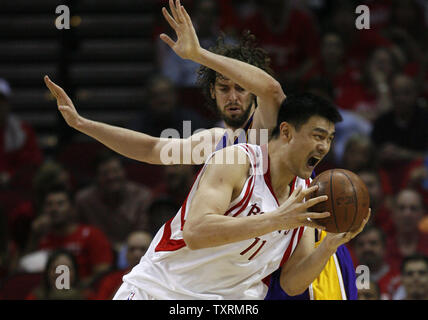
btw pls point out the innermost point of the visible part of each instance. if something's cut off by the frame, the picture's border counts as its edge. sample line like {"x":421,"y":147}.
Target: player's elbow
{"x":290,"y":287}
{"x":190,"y":237}
{"x":274,"y":90}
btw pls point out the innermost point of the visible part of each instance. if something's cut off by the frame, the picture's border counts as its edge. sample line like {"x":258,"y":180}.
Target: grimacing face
{"x":309,"y":145}
{"x":233,"y":102}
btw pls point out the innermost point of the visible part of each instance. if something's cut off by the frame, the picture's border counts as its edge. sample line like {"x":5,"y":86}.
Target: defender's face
{"x":233,"y":102}
{"x":309,"y":145}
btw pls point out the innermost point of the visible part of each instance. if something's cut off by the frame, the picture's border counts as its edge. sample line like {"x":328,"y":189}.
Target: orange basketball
{"x":348,"y":200}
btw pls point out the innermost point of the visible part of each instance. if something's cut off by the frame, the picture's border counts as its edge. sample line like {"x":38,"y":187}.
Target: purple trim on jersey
{"x":346,"y":264}
{"x":348,"y":272}
{"x":275,"y":291}
{"x":223,"y":143}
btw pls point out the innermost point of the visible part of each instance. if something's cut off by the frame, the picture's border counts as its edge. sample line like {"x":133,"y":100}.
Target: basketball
{"x":348,"y":200}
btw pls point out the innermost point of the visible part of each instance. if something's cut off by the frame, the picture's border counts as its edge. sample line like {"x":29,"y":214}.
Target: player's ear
{"x":285,"y":131}
{"x":212,"y":92}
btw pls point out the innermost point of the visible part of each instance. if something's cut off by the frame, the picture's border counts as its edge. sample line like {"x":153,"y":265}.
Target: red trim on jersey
{"x":289,"y":248}
{"x":166,"y":243}
{"x":244,"y":206}
{"x":269,"y":183}
{"x":248,"y":191}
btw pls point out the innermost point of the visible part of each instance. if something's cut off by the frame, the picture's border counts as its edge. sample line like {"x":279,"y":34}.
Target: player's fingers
{"x":311,"y":202}
{"x":310,"y":190}
{"x":315,"y":215}
{"x":169,"y":19}
{"x":361,"y":227}
{"x":297,"y":192}
{"x":174,"y":11}
{"x":186,"y":15}
{"x":165,"y":38}
{"x":179,"y":9}
{"x":313,"y":224}
{"x":53,"y":88}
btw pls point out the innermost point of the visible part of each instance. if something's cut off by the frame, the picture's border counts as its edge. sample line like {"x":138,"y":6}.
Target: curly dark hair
{"x":246,"y":51}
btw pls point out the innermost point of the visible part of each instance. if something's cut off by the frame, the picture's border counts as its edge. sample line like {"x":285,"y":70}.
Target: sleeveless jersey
{"x":336,"y":281}
{"x":170,"y":270}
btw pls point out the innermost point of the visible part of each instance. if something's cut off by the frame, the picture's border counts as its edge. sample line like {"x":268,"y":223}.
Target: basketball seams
{"x":332,"y":200}
{"x":355,"y":199}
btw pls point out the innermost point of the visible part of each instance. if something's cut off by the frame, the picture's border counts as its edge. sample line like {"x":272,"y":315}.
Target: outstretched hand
{"x":337,"y":239}
{"x":65,"y":105}
{"x":187,"y":44}
{"x":294,"y":211}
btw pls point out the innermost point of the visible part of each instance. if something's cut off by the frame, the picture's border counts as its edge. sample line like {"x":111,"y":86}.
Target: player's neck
{"x":280,"y":176}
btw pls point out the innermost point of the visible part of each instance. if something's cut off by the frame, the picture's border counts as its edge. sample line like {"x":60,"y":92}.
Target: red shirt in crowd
{"x":109,"y":285}
{"x":290,"y":47}
{"x":394,"y":256}
{"x":87,"y":243}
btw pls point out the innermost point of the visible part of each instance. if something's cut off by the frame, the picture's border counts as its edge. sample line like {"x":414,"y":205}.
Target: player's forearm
{"x":297,"y":279}
{"x":216,"y":230}
{"x":131,"y":144}
{"x":249,"y":77}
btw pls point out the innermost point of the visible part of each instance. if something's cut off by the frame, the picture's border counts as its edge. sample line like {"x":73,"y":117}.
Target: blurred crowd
{"x":88,"y":208}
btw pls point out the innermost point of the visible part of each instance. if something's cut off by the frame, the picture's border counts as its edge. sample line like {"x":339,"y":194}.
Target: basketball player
{"x":235,"y":90}
{"x":239,"y":225}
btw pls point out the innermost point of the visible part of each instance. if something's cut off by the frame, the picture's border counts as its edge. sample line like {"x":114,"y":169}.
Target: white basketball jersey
{"x":170,"y":270}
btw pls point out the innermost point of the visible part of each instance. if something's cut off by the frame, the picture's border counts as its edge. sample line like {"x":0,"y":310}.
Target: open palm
{"x":65,"y":105}
{"x":187,"y":44}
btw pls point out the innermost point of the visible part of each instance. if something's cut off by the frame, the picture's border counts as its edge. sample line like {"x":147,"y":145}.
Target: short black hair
{"x":58,"y":188}
{"x":105,"y":155}
{"x":370,"y":228}
{"x":413,"y":258}
{"x":296,"y":109}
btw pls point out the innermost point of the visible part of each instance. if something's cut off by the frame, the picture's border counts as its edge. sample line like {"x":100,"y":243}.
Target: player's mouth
{"x":312,"y":162}
{"x":233,"y":110}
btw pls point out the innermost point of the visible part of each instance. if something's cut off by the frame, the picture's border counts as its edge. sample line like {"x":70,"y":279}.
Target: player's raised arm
{"x":257,"y":81}
{"x":207,"y":226}
{"x":133,"y":144}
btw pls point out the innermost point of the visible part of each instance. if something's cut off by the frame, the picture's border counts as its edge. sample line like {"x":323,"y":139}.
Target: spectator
{"x":56,"y":228}
{"x":331,"y":65}
{"x":360,"y":153}
{"x":206,"y":21}
{"x":163,"y":111}
{"x":20,"y":154}
{"x":372,"y":293}
{"x":414,"y":276}
{"x":407,"y":239}
{"x":70,"y":286}
{"x":177,"y":179}
{"x":161,"y":210}
{"x":370,"y":250}
{"x":114,"y":204}
{"x":371,"y":96}
{"x":137,"y":244}
{"x":401,"y":134}
{"x":380,"y":203}
{"x":48,"y":174}
{"x":358,"y":44}
{"x":289,"y":35}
